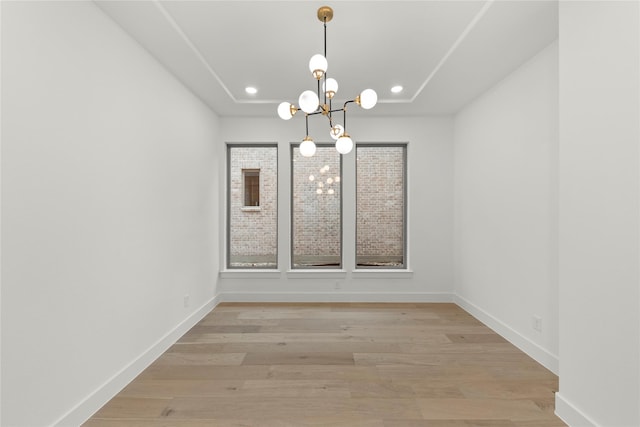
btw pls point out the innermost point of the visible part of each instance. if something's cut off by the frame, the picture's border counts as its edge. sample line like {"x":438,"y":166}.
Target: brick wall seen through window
{"x":252,"y":206}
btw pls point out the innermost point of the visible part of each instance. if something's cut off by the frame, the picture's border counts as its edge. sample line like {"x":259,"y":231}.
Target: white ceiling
{"x":444,"y":53}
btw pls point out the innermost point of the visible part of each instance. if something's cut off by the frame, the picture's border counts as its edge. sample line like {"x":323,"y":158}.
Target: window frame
{"x":329,"y":268}
{"x":227,"y":254}
{"x":405,"y":265}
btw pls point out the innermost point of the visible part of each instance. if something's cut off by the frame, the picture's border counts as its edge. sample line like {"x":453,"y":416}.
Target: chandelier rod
{"x":324,"y":21}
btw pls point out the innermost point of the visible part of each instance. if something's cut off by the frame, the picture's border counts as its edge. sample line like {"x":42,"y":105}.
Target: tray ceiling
{"x":444,"y":53}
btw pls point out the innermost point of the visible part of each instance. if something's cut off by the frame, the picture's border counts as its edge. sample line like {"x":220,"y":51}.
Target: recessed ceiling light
{"x":396,"y":89}
{"x":251,"y":90}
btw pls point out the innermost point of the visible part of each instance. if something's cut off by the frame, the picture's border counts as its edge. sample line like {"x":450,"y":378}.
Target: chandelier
{"x":309,"y":100}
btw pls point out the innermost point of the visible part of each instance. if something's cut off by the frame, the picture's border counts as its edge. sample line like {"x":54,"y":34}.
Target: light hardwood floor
{"x":373,"y":365}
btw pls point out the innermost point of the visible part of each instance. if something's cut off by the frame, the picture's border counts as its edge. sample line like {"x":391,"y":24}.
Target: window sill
{"x":317,"y":273}
{"x":382,"y":273}
{"x":251,"y":209}
{"x":250,"y":274}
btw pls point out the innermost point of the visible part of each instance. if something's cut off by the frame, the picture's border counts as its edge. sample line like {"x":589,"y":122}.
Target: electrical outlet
{"x":337,"y":286}
{"x":186,"y":300}
{"x":537,"y":323}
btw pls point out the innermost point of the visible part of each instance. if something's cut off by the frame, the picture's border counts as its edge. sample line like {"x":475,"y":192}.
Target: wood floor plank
{"x":449,"y":423}
{"x":136,"y":422}
{"x":305,"y":346}
{"x":475,"y":338}
{"x":326,"y":421}
{"x":374,"y":359}
{"x":296,"y":408}
{"x":139,"y":407}
{"x":305,"y":325}
{"x":297,"y":388}
{"x":453,"y":373}
{"x":190,"y":358}
{"x":480,"y":409}
{"x":350,"y":364}
{"x":509,"y":389}
{"x":172,"y":388}
{"x":380,"y":389}
{"x":291,"y":358}
{"x":206,"y":372}
{"x":277,"y":337}
{"x":324,"y":372}
{"x":224,"y":329}
{"x":181,"y":347}
{"x":449,"y":348}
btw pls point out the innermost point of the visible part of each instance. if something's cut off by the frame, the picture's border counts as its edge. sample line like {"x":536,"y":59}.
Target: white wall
{"x":505,"y":180}
{"x":599,"y":214}
{"x":109,"y":213}
{"x":430,"y":214}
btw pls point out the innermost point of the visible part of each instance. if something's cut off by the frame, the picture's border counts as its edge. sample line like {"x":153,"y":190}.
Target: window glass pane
{"x":380,"y":206}
{"x":252,"y":206}
{"x":316,"y":208}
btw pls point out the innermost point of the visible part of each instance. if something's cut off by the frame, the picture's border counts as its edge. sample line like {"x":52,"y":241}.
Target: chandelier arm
{"x":344,"y":115}
{"x":344,"y":119}
{"x":306,"y":119}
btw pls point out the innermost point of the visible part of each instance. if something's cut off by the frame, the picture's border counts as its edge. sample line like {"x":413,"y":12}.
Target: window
{"x":316,"y":208}
{"x":381,"y":206}
{"x":252,"y":206}
{"x":251,"y":187}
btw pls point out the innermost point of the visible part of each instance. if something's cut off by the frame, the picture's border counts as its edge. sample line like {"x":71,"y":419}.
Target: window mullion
{"x":349,"y":210}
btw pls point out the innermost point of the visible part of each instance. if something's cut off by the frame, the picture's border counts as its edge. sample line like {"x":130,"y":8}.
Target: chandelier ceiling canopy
{"x":310,"y":104}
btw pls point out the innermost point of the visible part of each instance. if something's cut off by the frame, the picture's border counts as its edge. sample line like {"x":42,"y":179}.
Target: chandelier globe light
{"x":344,"y":144}
{"x":318,"y":66}
{"x":330,"y":87}
{"x":336,"y":131}
{"x":367,"y":99}
{"x":310,"y":102}
{"x":286,"y":110}
{"x":307,"y":147}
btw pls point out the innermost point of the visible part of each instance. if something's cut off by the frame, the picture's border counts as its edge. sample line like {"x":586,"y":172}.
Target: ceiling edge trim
{"x":454,"y":46}
{"x":192,"y":46}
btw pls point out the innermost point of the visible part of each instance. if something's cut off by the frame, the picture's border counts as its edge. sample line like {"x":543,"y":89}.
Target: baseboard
{"x":336,"y":297}
{"x":571,"y":415}
{"x":92,"y":403}
{"x":539,"y":354}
